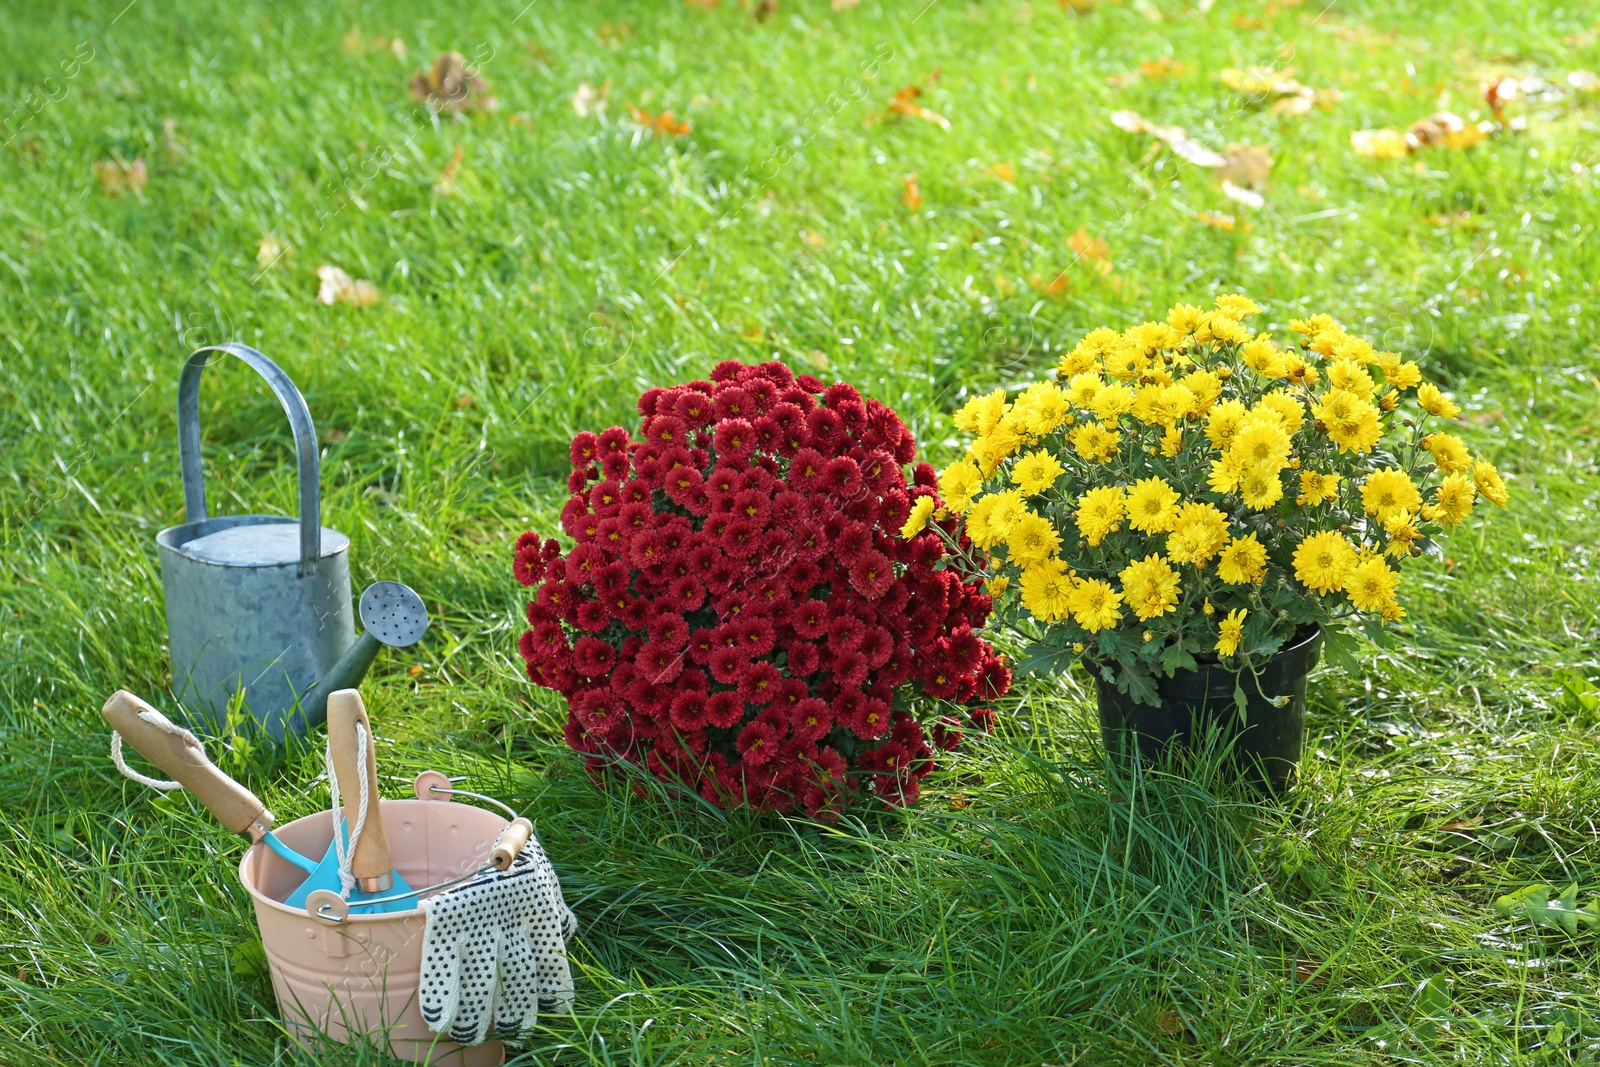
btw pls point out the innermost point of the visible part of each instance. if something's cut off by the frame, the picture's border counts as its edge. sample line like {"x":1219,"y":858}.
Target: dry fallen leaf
{"x":116,"y":177}
{"x":587,"y":100}
{"x":269,"y":250}
{"x":451,"y":87}
{"x":904,"y":105}
{"x":1077,"y":7}
{"x":1444,"y":128}
{"x":337,"y":286}
{"x":663,"y":124}
{"x":1174,"y":137}
{"x":1057,"y":286}
{"x":446,"y":185}
{"x":1221,"y":221}
{"x":1247,"y":165}
{"x":1092,"y":250}
{"x":1004,"y":171}
{"x":845,"y":5}
{"x":611,"y":35}
{"x":1261,"y":81}
{"x":812,"y":238}
{"x":912,"y":196}
{"x":1379,"y":144}
{"x":764,"y":10}
{"x":1152,"y":70}
{"x":1247,"y":197}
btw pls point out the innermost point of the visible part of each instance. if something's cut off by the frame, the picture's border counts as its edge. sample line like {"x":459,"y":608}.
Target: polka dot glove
{"x":494,"y":950}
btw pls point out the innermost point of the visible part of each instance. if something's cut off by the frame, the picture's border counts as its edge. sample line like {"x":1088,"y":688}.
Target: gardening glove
{"x":494,"y":950}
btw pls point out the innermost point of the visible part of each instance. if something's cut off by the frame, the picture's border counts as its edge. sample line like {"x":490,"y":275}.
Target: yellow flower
{"x":919,"y":518}
{"x":1206,"y":387}
{"x":1456,"y":494}
{"x":1128,"y":361}
{"x":1043,"y":406}
{"x":1239,"y":307}
{"x":979,"y":528}
{"x":1387,"y":491}
{"x":1100,"y":513}
{"x":1047,"y":590}
{"x":1352,"y":377}
{"x":1163,"y":405}
{"x":1263,"y":357}
{"x":1111,"y":402}
{"x":1314,"y":325}
{"x":1223,"y":422}
{"x":1032,"y":540}
{"x":997,"y":585}
{"x":1399,"y":375}
{"x":1261,"y":442}
{"x":1490,"y":484}
{"x":982,"y":413}
{"x":1352,"y":423}
{"x":1152,"y":506}
{"x":1150,"y":587}
{"x":1449,"y":454}
{"x":1172,"y":441}
{"x":1290,"y":412}
{"x":1005,"y":511}
{"x":1036,"y":471}
{"x":1243,"y":561}
{"x":1083,"y":388}
{"x":1095,"y":605}
{"x":1261,"y":487}
{"x":1403,"y":533}
{"x":1436,"y":403}
{"x":1323,"y":561}
{"x":1318,"y":488}
{"x":1198,"y":533}
{"x":1220,"y":327}
{"x":1371,"y":584}
{"x":1230,"y":631}
{"x":959,"y":483}
{"x":1225,"y":473}
{"x":1095,"y":442}
{"x":1186,"y":319}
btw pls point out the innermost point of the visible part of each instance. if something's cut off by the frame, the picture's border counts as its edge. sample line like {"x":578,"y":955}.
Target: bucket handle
{"x":305,"y":441}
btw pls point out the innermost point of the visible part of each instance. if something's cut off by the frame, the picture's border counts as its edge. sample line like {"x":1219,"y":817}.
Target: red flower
{"x":758,"y":741}
{"x":687,"y":577}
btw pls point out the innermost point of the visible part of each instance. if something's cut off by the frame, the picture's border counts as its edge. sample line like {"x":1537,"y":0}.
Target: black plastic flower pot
{"x":1265,"y":747}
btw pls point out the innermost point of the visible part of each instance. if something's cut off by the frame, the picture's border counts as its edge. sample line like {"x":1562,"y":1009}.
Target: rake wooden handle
{"x":182,"y":756}
{"x":371,"y":864}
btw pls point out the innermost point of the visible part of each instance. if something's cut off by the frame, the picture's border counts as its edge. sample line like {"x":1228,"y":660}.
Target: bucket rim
{"x":360,"y":919}
{"x":173,"y":539}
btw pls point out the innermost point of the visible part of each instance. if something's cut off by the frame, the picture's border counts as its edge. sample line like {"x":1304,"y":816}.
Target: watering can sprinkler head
{"x":392,"y":614}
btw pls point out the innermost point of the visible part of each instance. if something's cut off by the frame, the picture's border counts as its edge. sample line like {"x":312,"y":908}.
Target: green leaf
{"x":1043,"y":658}
{"x":1339,"y":648}
{"x":1536,"y":905}
{"x":1175,"y":657}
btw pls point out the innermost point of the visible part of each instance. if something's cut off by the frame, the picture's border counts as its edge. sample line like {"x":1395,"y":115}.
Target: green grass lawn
{"x":1036,"y":907}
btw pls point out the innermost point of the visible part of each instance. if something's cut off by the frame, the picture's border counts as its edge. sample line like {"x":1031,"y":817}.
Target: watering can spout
{"x":393,"y":615}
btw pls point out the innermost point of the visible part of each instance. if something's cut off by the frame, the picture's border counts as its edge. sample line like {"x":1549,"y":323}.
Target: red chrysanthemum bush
{"x":739,"y":612}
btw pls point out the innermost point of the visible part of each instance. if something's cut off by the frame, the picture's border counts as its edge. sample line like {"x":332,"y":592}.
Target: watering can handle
{"x":305,"y":441}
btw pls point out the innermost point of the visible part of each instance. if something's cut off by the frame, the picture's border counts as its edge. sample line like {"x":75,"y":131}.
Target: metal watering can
{"x":261,"y":603}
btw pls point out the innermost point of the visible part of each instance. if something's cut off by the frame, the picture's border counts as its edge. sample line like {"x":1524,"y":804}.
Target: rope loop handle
{"x":343,"y":852}
{"x":160,"y":721}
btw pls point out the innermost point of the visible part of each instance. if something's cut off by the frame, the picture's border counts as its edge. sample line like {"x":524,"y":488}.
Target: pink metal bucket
{"x":348,"y":975}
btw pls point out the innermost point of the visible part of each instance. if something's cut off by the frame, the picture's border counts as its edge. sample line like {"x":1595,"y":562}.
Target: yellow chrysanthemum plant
{"x":1194,"y":491}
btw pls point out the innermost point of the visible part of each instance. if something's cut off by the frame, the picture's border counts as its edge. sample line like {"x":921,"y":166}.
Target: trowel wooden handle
{"x":178,"y":753}
{"x":371,"y":864}
{"x":513,"y":839}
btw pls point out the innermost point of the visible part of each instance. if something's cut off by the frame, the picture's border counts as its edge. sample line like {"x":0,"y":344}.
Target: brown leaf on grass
{"x":845,"y":5}
{"x":1460,"y":825}
{"x":1584,"y":81}
{"x":338,"y":287}
{"x":451,"y":87}
{"x":812,"y":238}
{"x":1446,"y":129}
{"x":1174,"y":137}
{"x":587,"y":100}
{"x":1054,"y":288}
{"x":904,"y":105}
{"x":1169,"y":1022}
{"x":1221,"y":221}
{"x":1309,"y":968}
{"x":446,"y":185}
{"x":1247,"y":165}
{"x":1091,"y":250}
{"x":709,"y":5}
{"x":1243,"y":195}
{"x":116,"y":177}
{"x":764,"y":10}
{"x":662,"y":125}
{"x":1152,"y":70}
{"x":1004,"y":171}
{"x":1261,"y":81}
{"x":911,"y":197}
{"x":1077,"y":7}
